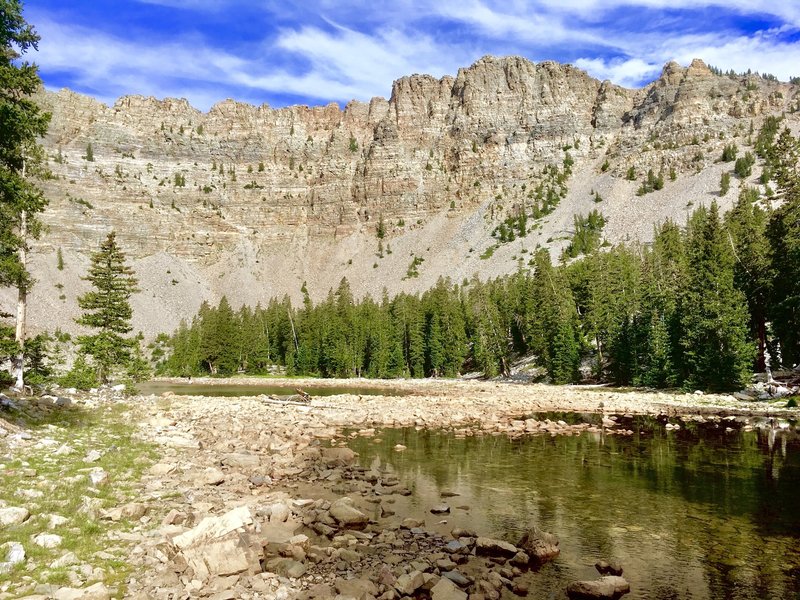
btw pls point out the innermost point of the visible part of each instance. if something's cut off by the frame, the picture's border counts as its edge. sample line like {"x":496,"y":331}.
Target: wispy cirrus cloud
{"x":337,"y":50}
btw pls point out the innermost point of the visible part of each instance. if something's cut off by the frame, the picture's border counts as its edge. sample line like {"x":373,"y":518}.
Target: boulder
{"x":456,"y":577}
{"x":338,"y":456}
{"x":607,"y":568}
{"x":408,"y":583}
{"x":346,"y":515}
{"x":608,"y":587}
{"x":447,"y":590}
{"x":47,"y":540}
{"x":286,"y":567}
{"x":540,"y":546}
{"x":98,"y":591}
{"x":215,"y":547}
{"x":13,"y":515}
{"x":211,"y":476}
{"x":491,"y":547}
{"x":360,"y":589}
{"x":241,"y":460}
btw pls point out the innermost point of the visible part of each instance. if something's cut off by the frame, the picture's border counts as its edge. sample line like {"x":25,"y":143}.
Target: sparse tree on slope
{"x":21,"y":124}
{"x":107,"y":309}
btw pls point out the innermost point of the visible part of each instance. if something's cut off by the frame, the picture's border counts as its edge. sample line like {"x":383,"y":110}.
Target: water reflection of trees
{"x":716,"y":507}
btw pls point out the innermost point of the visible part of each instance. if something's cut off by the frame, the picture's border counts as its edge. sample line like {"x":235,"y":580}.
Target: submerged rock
{"x":607,"y":568}
{"x":608,"y":587}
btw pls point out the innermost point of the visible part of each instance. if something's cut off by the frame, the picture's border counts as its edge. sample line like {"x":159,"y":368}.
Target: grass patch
{"x":50,"y":477}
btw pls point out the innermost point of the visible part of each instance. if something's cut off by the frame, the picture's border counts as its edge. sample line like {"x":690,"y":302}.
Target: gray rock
{"x":609,"y":587}
{"x":346,"y":515}
{"x":456,"y":577}
{"x":441,"y":509}
{"x":491,"y":547}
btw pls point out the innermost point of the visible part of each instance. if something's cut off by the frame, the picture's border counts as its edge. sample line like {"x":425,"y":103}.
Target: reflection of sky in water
{"x":697,"y":513}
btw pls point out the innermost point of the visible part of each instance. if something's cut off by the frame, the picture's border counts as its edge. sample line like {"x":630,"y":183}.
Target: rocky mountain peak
{"x":252,"y":201}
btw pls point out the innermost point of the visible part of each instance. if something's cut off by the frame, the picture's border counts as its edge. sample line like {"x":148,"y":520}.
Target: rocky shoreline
{"x":251,"y":499}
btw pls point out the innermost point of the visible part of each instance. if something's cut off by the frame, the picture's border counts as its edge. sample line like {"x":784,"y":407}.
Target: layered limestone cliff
{"x":252,"y":201}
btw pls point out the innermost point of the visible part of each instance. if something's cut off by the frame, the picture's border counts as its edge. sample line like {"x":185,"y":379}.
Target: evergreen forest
{"x":702,"y":306}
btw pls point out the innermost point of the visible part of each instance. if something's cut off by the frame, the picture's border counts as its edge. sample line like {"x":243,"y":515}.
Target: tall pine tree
{"x":717,"y":352}
{"x":107,"y":309}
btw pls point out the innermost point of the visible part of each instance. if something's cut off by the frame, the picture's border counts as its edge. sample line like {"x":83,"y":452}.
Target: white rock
{"x":14,"y":554}
{"x":67,"y":560}
{"x":98,"y":476}
{"x":98,"y":591}
{"x":13,"y":515}
{"x":47,"y":540}
{"x":56,"y":521}
{"x":93,"y":456}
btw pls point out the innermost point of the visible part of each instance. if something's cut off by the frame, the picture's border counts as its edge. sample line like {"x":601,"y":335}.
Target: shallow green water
{"x":691,"y":514}
{"x":242,"y":389}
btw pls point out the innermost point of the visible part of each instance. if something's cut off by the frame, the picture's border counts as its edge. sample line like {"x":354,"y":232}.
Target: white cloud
{"x":379,"y":43}
{"x":627,"y":73}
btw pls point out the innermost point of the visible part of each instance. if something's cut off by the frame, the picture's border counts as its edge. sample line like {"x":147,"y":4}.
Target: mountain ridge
{"x":251,"y":201}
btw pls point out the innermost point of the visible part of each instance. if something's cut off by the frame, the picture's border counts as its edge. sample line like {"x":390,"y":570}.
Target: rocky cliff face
{"x":251,"y":201}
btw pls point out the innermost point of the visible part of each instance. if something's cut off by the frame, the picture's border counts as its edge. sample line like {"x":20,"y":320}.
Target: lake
{"x":710,"y":511}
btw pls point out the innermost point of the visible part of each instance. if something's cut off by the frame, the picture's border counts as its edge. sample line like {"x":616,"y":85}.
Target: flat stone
{"x":241,"y":460}
{"x":491,"y":547}
{"x":286,"y":567}
{"x":338,"y":456}
{"x":456,"y":577}
{"x":445,"y":589}
{"x":98,"y":591}
{"x":47,"y":540}
{"x":67,"y":560}
{"x":360,"y":589}
{"x":440,"y":509}
{"x":608,"y":587}
{"x":214,"y":527}
{"x":346,"y":515}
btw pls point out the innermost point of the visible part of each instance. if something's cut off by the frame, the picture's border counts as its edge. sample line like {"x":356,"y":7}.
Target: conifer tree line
{"x":699,"y":307}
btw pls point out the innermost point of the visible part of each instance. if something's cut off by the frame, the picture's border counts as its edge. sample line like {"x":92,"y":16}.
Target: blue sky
{"x":320,"y":51}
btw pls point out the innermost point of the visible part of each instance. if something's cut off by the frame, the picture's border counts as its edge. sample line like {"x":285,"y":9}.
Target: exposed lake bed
{"x":691,"y":499}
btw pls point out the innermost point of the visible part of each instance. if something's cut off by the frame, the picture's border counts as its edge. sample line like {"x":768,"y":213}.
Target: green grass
{"x":66,"y":490}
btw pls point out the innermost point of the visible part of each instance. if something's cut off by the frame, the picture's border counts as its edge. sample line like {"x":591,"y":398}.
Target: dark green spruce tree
{"x":714,"y":320}
{"x":107,"y":310}
{"x":22,"y":123}
{"x":784,"y":236}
